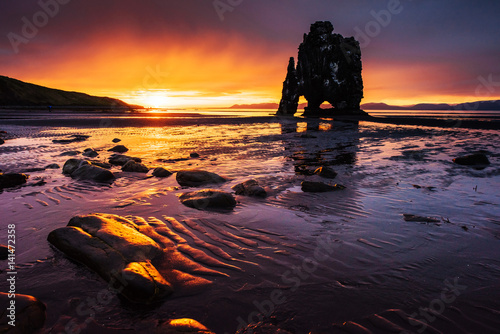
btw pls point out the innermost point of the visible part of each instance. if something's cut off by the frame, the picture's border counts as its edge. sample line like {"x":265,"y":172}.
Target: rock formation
{"x":290,"y":95}
{"x":136,"y":257}
{"x":328,"y":69}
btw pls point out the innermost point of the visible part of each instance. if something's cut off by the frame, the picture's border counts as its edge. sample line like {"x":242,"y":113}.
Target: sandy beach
{"x":331,"y":257}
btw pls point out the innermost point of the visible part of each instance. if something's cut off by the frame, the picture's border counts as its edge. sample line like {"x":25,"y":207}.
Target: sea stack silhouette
{"x":328,"y":70}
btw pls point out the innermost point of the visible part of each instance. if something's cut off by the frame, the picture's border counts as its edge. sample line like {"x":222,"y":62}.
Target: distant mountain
{"x":380,"y":106}
{"x":479,"y":105}
{"x":16,"y":93}
{"x":262,"y":106}
{"x":255,"y":106}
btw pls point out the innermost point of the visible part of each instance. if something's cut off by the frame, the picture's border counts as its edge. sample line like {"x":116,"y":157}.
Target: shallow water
{"x":333,"y":257}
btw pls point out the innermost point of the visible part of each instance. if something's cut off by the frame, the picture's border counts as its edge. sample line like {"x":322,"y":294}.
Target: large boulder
{"x":28,"y":313}
{"x":113,"y":247}
{"x":135,"y":167}
{"x":328,"y":69}
{"x":319,"y":187}
{"x":196,"y":178}
{"x":249,"y":188}
{"x":208,"y":199}
{"x":120,"y":160}
{"x":8,"y":180}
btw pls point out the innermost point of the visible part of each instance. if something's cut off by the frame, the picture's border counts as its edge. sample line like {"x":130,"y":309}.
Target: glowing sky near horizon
{"x":163,"y":53}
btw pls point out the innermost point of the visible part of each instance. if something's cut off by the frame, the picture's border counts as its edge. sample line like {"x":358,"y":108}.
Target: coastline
{"x":69,"y":118}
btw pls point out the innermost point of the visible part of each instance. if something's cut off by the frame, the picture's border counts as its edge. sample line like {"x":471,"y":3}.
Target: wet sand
{"x":333,"y":257}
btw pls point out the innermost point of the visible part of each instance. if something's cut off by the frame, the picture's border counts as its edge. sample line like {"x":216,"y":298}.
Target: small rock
{"x":2,"y":141}
{"x":477,"y":159}
{"x":71,"y":139}
{"x":195,"y":178}
{"x":135,"y":167}
{"x":326,"y":172}
{"x":73,"y":164}
{"x":93,"y":173}
{"x":120,"y":160}
{"x":118,"y":149}
{"x":33,"y":170}
{"x":91,"y":153}
{"x":161,"y":172}
{"x":116,"y":140}
{"x":208,"y":199}
{"x":100,"y":164}
{"x":249,"y":188}
{"x":52,"y":166}
{"x":414,"y":218}
{"x":306,"y":135}
{"x":194,"y":155}
{"x":70,"y":153}
{"x":319,"y":187}
{"x":4,"y":252}
{"x":262,"y":328}
{"x":181,"y":326}
{"x":30,"y":314}
{"x":8,"y":180}
{"x":303,"y":170}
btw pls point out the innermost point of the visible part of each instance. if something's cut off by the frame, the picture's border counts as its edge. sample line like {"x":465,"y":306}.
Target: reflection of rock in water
{"x":333,"y":144}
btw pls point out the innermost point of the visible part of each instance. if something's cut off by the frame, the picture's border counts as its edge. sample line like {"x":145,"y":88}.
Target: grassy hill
{"x":16,"y":93}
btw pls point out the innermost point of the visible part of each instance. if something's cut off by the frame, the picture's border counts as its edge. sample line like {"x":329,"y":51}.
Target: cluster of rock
{"x":328,"y":69}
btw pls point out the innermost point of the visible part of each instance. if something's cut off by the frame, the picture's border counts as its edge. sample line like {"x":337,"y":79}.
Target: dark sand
{"x":376,"y":260}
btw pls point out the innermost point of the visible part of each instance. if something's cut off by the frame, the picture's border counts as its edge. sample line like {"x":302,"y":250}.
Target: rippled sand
{"x":331,"y":257}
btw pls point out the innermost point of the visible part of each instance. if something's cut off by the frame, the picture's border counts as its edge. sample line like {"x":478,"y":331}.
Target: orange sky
{"x":239,"y":61}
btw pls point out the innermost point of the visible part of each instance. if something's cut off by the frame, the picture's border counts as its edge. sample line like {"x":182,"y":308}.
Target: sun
{"x":156,"y":101}
{"x":153,"y":99}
